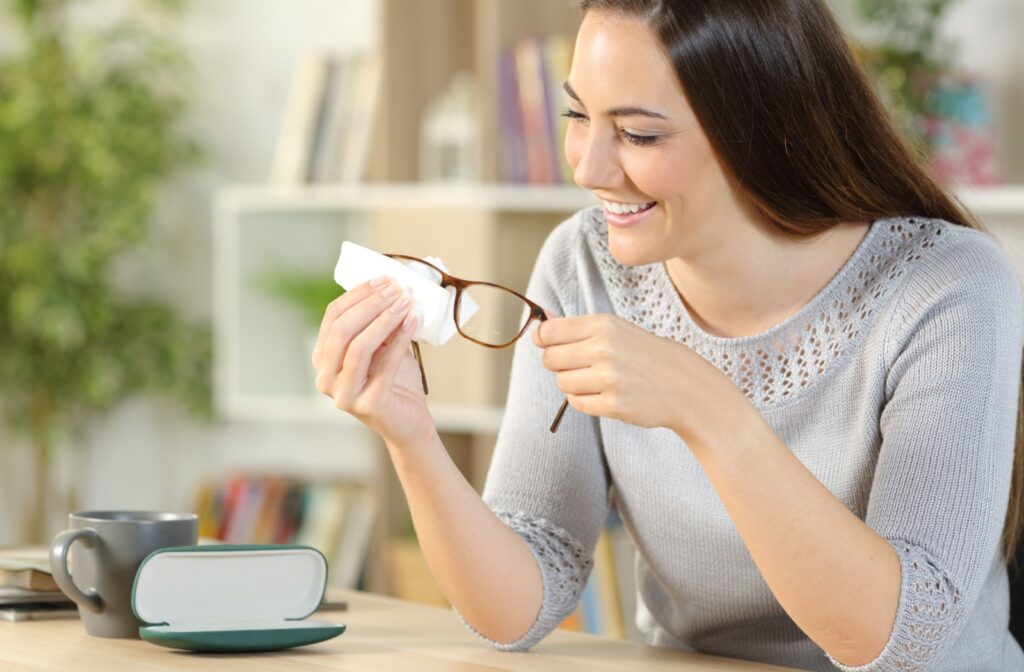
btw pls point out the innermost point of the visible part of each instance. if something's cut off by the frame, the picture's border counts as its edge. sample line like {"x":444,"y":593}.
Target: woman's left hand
{"x":609,"y":367}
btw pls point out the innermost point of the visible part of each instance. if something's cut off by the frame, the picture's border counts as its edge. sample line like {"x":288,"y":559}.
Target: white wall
{"x":147,"y":454}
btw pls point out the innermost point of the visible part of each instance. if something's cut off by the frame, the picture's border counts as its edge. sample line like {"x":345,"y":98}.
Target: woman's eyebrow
{"x":618,"y":111}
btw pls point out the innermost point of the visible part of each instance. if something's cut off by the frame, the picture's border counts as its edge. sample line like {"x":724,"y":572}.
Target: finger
{"x":388,"y":359}
{"x":589,"y":404}
{"x":567,"y":356}
{"x":353,"y":321}
{"x":566,"y":329}
{"x":356,"y":363}
{"x":580,"y":381}
{"x":339,"y":305}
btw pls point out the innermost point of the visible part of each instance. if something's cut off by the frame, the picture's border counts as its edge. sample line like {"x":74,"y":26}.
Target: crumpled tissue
{"x":433,"y":305}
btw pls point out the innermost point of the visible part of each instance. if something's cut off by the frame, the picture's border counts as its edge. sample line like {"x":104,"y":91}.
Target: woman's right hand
{"x":363,"y":362}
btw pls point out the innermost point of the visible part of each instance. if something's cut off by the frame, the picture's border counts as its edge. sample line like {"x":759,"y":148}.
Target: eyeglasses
{"x":500,"y":318}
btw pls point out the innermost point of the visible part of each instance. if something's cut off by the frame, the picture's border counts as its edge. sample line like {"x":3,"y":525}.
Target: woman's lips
{"x":632,"y":219}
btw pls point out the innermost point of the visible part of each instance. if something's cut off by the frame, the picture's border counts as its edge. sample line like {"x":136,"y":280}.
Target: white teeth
{"x":626,"y":208}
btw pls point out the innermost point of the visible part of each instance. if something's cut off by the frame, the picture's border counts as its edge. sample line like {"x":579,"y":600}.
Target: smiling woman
{"x":794,"y":363}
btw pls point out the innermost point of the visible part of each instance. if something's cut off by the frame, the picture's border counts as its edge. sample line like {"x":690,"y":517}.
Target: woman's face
{"x":634,"y":141}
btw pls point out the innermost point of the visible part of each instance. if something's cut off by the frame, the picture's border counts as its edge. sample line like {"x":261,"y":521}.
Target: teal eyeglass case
{"x":232,"y":598}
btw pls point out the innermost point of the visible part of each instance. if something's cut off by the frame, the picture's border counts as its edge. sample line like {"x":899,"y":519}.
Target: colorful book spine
{"x":558,"y":57}
{"x":534,"y":112}
{"x":512,"y":140}
{"x":532,"y":103}
{"x":335,"y":518}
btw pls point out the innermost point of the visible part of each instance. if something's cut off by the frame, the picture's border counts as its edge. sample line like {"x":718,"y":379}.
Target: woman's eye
{"x":632,"y":138}
{"x":641,"y":140}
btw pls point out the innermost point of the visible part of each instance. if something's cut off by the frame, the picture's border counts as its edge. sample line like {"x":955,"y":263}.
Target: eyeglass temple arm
{"x":558,"y":417}
{"x":419,"y":360}
{"x":541,"y":315}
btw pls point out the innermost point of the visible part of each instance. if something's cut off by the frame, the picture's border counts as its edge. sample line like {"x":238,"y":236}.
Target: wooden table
{"x":384,"y":634}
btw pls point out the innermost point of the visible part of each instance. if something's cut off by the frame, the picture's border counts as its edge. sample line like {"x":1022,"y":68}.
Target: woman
{"x":794,"y":363}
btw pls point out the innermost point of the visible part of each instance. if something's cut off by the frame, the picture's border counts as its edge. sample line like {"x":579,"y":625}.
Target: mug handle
{"x":88,"y":599}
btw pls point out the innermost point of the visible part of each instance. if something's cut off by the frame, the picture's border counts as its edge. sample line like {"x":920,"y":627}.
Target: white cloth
{"x":433,"y":305}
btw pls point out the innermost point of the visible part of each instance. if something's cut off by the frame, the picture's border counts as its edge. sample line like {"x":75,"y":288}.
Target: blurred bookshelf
{"x":335,"y":517}
{"x":491,"y":230}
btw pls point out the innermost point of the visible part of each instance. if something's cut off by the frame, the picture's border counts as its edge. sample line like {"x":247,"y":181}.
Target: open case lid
{"x":202,"y":585}
{"x":232,"y":598}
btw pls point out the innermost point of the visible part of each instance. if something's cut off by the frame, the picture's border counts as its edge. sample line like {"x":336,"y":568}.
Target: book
{"x":590,"y":609}
{"x":338,"y":148}
{"x":336,"y":518}
{"x":9,"y":596}
{"x":537,"y":140}
{"x":321,"y":526}
{"x":558,"y":57}
{"x":353,"y":545}
{"x":605,"y":577}
{"x":531,"y":102}
{"x":27,"y":568}
{"x":513,"y":161}
{"x":28,"y":579}
{"x":625,"y":555}
{"x":334,"y":113}
{"x":364,"y":96}
{"x":300,"y":120}
{"x":38,"y":611}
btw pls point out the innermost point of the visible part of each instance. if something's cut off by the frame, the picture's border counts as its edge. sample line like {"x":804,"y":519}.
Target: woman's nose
{"x":598,"y":167}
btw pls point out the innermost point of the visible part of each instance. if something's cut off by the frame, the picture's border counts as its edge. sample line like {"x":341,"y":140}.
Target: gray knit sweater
{"x":896,"y":386}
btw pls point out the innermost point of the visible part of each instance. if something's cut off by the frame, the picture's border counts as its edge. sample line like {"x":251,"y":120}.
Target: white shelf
{"x":320,"y":410}
{"x":984,"y":201}
{"x":1002,"y":207}
{"x":994,"y":201}
{"x":369,"y":197}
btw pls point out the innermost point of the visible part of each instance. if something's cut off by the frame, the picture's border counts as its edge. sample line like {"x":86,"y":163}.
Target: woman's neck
{"x":758,"y":279}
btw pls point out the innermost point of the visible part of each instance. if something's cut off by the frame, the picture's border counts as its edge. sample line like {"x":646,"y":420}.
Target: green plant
{"x":307,"y":292}
{"x":89,"y":130}
{"x":906,"y":57}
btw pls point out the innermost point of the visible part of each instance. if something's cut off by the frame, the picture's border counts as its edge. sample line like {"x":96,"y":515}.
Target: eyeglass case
{"x":232,"y":598}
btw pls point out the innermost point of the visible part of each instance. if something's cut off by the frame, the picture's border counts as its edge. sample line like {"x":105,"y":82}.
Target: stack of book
{"x":335,"y":518}
{"x":532,"y":103}
{"x":328,"y":120}
{"x":27,"y":589}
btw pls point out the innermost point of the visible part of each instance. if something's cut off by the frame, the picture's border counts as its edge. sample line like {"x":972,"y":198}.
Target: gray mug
{"x":113,"y":545}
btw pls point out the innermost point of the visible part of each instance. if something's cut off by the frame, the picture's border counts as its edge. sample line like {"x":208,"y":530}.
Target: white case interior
{"x":190,"y":591}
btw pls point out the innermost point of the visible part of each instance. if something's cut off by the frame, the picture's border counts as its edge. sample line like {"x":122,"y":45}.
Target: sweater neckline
{"x":836,"y":285}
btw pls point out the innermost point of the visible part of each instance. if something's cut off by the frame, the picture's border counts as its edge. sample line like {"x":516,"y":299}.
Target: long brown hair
{"x":794,"y":119}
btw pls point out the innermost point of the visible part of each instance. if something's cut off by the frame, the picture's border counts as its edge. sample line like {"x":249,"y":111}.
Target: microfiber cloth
{"x":433,"y":305}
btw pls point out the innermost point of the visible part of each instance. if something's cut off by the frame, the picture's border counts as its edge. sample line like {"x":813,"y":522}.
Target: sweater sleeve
{"x":942,"y":479}
{"x":552,"y":489}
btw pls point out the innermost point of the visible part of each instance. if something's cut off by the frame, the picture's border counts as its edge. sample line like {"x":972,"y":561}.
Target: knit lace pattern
{"x":564,"y":566}
{"x":936,"y":607}
{"x":781,"y":364}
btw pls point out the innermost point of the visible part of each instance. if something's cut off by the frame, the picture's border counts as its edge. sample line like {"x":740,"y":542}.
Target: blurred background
{"x":177,"y":178}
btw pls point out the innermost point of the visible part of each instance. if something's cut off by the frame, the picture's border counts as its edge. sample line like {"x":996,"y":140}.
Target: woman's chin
{"x":629,"y":253}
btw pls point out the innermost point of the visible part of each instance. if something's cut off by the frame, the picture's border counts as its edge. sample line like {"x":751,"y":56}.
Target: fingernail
{"x":409,"y":323}
{"x":390,"y":291}
{"x":399,"y":306}
{"x":380,"y":281}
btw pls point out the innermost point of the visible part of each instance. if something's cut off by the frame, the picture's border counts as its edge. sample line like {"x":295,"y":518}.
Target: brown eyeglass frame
{"x":448,"y":280}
